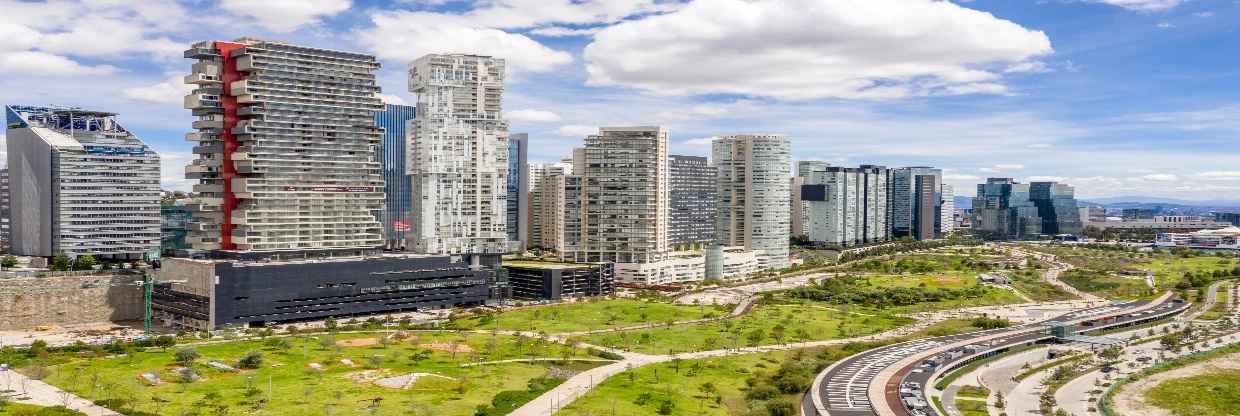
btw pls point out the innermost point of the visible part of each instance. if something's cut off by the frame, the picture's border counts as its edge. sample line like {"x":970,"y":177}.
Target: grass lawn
{"x":1169,"y":269}
{"x":1107,"y":286}
{"x":710,"y":387}
{"x":18,"y":409}
{"x":1030,"y":283}
{"x":761,"y":326}
{"x":585,"y":316}
{"x":337,"y":388}
{"x":1219,"y":310}
{"x":973,"y":392}
{"x":970,"y":407}
{"x":923,"y":263}
{"x":993,"y":296}
{"x":1213,"y":394}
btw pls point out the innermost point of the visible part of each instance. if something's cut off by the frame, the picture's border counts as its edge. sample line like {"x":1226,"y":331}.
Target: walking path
{"x":1131,"y":401}
{"x":30,"y":391}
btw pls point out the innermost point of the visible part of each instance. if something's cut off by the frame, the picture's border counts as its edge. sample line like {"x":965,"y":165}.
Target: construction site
{"x":70,"y":307}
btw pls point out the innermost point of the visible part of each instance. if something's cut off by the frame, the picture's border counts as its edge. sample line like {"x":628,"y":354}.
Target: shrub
{"x":252,"y":360}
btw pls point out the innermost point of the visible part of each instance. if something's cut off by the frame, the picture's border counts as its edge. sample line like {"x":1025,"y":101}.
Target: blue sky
{"x":1116,"y":97}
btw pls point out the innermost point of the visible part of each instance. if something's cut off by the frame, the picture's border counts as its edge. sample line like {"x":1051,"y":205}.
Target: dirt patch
{"x":367,"y":376}
{"x":358,"y":342}
{"x":443,"y":346}
{"x":1131,"y":400}
{"x":405,"y":381}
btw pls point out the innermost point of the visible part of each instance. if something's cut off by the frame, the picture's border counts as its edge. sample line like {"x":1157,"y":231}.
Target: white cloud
{"x":1039,"y":146}
{"x":556,"y":31}
{"x":841,"y":49}
{"x":170,"y":91}
{"x":1142,"y":5}
{"x":1027,"y":67}
{"x":533,"y":116}
{"x":1046,"y":179}
{"x":1160,"y":177}
{"x":577,"y":130}
{"x":391,"y":99}
{"x":1220,"y":174}
{"x":1164,"y":25}
{"x":1009,"y":166}
{"x":515,"y":14}
{"x":33,"y":62}
{"x":286,"y":15}
{"x":1204,"y":14}
{"x":405,"y":36}
{"x":172,"y":170}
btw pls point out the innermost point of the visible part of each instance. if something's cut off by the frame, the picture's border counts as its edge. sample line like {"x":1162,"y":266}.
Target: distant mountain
{"x":1142,"y":201}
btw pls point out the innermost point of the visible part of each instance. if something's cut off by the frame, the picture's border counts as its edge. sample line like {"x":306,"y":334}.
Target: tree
{"x":331,"y":324}
{"x":61,"y":263}
{"x":252,"y":360}
{"x":8,"y":262}
{"x":84,"y":263}
{"x":187,"y":356}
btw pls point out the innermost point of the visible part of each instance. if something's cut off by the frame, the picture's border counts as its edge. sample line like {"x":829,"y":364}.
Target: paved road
{"x":1023,"y":400}
{"x":36,"y":392}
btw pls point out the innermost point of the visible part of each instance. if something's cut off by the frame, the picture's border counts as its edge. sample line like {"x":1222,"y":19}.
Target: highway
{"x":850,"y":386}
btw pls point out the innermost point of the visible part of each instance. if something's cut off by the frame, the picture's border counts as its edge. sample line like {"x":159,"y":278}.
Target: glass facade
{"x":1007,"y":210}
{"x":399,"y":205}
{"x":1057,"y":207}
{"x":518,"y":183}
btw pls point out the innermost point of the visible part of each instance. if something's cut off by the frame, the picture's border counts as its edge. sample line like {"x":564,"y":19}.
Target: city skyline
{"x":1081,"y":91}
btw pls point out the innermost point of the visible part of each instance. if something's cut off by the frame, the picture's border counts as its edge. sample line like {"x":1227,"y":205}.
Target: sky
{"x":1115,"y":97}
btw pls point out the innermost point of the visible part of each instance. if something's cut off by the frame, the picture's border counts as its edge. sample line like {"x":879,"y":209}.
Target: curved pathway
{"x":35,"y":392}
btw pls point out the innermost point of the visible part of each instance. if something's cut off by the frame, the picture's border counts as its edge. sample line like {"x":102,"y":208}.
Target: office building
{"x":1057,"y":207}
{"x":287,"y":155}
{"x":1227,"y":238}
{"x":1008,"y":210}
{"x":754,"y":195}
{"x":947,"y":210}
{"x":518,"y":191}
{"x":458,"y":155}
{"x":847,"y":206}
{"x":5,"y":238}
{"x":546,"y":205}
{"x":80,"y":184}
{"x":1158,"y":224}
{"x":542,"y":280}
{"x":729,"y":263}
{"x":1138,"y":213}
{"x":175,"y":220}
{"x":693,"y":193}
{"x":799,"y":214}
{"x":290,"y":197}
{"x":625,"y":189}
{"x":1232,"y":218}
{"x":397,"y":215}
{"x":915,"y":202}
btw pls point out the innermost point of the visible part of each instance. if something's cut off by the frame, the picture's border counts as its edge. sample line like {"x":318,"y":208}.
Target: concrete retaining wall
{"x":29,"y":302}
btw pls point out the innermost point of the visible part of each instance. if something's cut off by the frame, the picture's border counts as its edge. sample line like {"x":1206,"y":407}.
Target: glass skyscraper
{"x":1007,"y":210}
{"x":518,"y":188}
{"x":396,"y":212}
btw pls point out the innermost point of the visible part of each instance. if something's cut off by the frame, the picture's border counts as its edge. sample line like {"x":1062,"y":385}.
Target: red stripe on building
{"x":229,"y":73}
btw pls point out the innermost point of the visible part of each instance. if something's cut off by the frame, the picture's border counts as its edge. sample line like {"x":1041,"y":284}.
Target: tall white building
{"x":915,"y":202}
{"x":546,"y":225}
{"x":624,"y":186}
{"x":754,"y":195}
{"x":80,"y":184}
{"x":458,"y":155}
{"x":947,"y":214}
{"x":800,"y":210}
{"x":288,"y":148}
{"x":847,"y":206}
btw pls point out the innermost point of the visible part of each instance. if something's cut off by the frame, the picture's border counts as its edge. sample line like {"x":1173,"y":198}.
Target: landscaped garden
{"x":1216,"y":393}
{"x":904,"y":294}
{"x":590,"y":315}
{"x":408,"y":373}
{"x":765,"y":325}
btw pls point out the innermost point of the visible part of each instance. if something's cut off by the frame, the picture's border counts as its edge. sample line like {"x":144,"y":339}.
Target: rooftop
{"x":537,"y":264}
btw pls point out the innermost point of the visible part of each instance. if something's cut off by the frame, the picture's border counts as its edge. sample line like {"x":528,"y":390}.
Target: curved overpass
{"x":868,"y":383}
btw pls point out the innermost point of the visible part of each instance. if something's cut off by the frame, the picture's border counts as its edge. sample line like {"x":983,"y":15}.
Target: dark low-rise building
{"x":540,"y":280}
{"x":213,"y":293}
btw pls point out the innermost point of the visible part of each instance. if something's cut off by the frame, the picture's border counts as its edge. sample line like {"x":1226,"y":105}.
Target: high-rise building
{"x":947,"y":210}
{"x":398,"y":203}
{"x":693,"y":193}
{"x":288,"y":149}
{"x":458,"y":155}
{"x":545,"y":202}
{"x":624,"y":188}
{"x":1232,"y":218}
{"x":754,"y":195}
{"x":5,"y":238}
{"x":291,"y":194}
{"x":1056,"y":204}
{"x":847,"y":206}
{"x":518,"y":190}
{"x":1003,"y":210}
{"x":80,"y":184}
{"x":912,"y":214}
{"x":799,"y":214}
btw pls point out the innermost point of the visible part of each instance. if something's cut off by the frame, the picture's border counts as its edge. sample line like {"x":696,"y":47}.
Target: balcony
{"x":208,"y":124}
